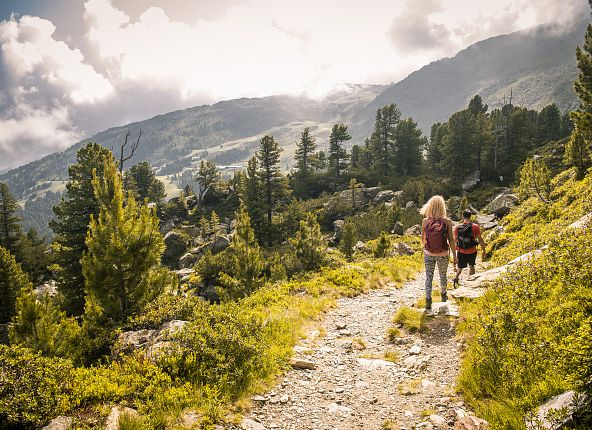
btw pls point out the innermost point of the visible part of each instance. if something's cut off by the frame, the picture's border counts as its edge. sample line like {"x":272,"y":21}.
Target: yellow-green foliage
{"x":534,"y":223}
{"x":392,"y":334}
{"x":529,"y":337}
{"x":411,"y":319}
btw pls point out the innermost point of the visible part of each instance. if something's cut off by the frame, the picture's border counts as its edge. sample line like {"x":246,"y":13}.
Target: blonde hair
{"x":434,"y":208}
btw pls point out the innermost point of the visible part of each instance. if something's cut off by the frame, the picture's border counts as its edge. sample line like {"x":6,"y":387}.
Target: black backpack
{"x":464,"y":239}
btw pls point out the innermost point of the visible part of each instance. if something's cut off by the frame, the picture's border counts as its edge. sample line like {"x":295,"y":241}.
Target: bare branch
{"x":135,"y":145}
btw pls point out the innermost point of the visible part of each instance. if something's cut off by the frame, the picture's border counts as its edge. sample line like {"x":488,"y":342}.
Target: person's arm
{"x":423,"y":234}
{"x":451,"y":240}
{"x":482,"y":245}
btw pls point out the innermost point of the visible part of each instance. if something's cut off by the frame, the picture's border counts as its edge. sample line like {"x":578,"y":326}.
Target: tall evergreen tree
{"x":356,"y":157}
{"x":12,"y":280}
{"x":246,"y":259}
{"x":207,"y":177}
{"x":10,"y":229}
{"x":337,"y":153}
{"x":308,"y":243}
{"x":305,"y":150}
{"x":142,"y":182}
{"x":72,"y":217}
{"x":458,"y":156}
{"x":408,"y":148}
{"x":124,"y":249}
{"x":433,"y":154}
{"x":251,"y":192}
{"x":582,"y":118}
{"x":272,"y":181}
{"x":382,"y":141}
{"x":549,"y":124}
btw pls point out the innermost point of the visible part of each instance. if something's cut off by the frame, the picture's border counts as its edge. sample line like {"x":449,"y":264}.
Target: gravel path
{"x":353,"y":387}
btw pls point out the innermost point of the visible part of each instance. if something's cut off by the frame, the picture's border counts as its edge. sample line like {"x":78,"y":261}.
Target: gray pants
{"x":430,"y":265}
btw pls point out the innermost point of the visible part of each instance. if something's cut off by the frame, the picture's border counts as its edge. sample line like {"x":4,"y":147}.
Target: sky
{"x":71,"y":68}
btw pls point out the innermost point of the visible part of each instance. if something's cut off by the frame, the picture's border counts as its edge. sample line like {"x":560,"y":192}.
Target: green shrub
{"x":168,"y":307}
{"x":33,"y":388}
{"x":529,"y":336}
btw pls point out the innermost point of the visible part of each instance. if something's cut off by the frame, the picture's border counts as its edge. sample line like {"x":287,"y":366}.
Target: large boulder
{"x":220,"y":243}
{"x":410,"y":205}
{"x":370,"y":193}
{"x":337,"y":231}
{"x":543,"y":418}
{"x":59,"y":423}
{"x":501,"y":205}
{"x":471,"y":181}
{"x":176,"y":243}
{"x":187,"y":260}
{"x":471,"y":423}
{"x":148,"y":340}
{"x":115,"y":415}
{"x":401,"y":248}
{"x":398,"y":228}
{"x":414,"y":230}
{"x":48,"y":289}
{"x":487,"y":222}
{"x":384,"y":196}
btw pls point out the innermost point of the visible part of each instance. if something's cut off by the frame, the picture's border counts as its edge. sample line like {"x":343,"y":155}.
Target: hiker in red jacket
{"x":467,"y":236}
{"x":437,"y":239}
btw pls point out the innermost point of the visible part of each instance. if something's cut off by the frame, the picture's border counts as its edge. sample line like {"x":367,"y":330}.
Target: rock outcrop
{"x":502,"y":204}
{"x":59,"y":423}
{"x":152,"y":341}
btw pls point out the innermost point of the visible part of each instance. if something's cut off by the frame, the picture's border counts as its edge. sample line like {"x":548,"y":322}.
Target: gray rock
{"x":414,"y":230}
{"x":336,"y":409}
{"x":176,"y":243}
{"x":471,"y":181}
{"x":187,"y":260}
{"x":471,"y":423}
{"x":153,"y":342}
{"x":338,"y":231}
{"x":220,"y":243}
{"x":410,"y":205}
{"x":402,"y":248}
{"x":300,"y":363}
{"x":487,"y":222}
{"x":502,"y":204}
{"x":384,"y":196}
{"x":582,"y":222}
{"x":542,"y":418}
{"x":59,"y":423}
{"x":445,"y":308}
{"x":359,"y":245}
{"x":116,"y":413}
{"x":438,"y":421}
{"x":48,"y":289}
{"x":374,"y":363}
{"x":247,"y":424}
{"x":398,"y":228}
{"x":415,"y":350}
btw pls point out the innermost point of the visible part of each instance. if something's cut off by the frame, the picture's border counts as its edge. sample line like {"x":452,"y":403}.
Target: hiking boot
{"x":428,"y":304}
{"x":455,"y":282}
{"x":444,"y":297}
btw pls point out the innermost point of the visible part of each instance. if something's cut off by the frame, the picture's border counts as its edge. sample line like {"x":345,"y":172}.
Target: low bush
{"x":412,"y":320}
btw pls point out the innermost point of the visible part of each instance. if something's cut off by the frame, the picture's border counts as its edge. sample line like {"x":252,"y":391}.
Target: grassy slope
{"x":523,"y":336}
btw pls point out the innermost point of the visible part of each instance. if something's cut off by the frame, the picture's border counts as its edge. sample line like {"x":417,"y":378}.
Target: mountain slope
{"x":537,"y":67}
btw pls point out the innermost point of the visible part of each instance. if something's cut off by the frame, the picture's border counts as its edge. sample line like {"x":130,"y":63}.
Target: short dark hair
{"x":467,"y":214}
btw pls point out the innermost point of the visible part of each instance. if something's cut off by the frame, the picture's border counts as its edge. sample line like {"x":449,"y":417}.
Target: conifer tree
{"x":204,"y":227}
{"x":304,"y":154}
{"x":535,"y":179}
{"x":251,"y":193}
{"x":214,"y":223}
{"x":321,"y":161}
{"x":207,"y":177}
{"x":355,"y":159}
{"x":582,"y":118}
{"x":382,"y":245}
{"x":337,"y":153}
{"x":142,"y":182}
{"x":408,"y":148}
{"x":10,"y":229}
{"x":33,"y":256}
{"x":124,"y":249}
{"x":434,"y":157}
{"x":577,"y":154}
{"x":246,"y":259}
{"x":382,"y":141}
{"x":72,"y":217}
{"x":12,"y":280}
{"x":308,"y":243}
{"x":348,"y":239}
{"x":40,"y":325}
{"x":272,"y":181}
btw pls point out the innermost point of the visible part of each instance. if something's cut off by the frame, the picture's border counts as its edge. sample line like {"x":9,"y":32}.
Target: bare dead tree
{"x":135,"y":145}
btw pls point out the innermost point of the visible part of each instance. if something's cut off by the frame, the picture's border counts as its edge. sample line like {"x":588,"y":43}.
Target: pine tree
{"x":337,"y":153}
{"x":12,"y":280}
{"x":124,"y":249}
{"x":308,"y":243}
{"x":382,"y":141}
{"x":250,"y":194}
{"x":304,"y":154}
{"x":535,"y":179}
{"x":458,"y":155}
{"x":409,"y":145}
{"x":142,"y":182}
{"x":577,"y":154}
{"x":204,"y":227}
{"x":72,"y":217}
{"x":321,"y":161}
{"x":10,"y":229}
{"x":214,"y":223}
{"x":246,"y":259}
{"x":433,"y":160}
{"x":33,"y":256}
{"x":273,"y":183}
{"x":348,"y":239}
{"x":582,"y":118}
{"x":207,"y":177}
{"x":356,"y":158}
{"x":382,"y":246}
{"x":549,"y":124}
{"x":40,"y":325}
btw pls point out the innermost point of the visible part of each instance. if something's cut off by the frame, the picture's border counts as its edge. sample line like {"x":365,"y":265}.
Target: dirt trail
{"x":353,"y":386}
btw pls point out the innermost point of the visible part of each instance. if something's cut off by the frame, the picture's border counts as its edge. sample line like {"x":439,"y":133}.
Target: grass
{"x":427,"y":412}
{"x":360,"y":342}
{"x":412,"y":320}
{"x":421,"y":303}
{"x":409,"y":387}
{"x":393,"y":333}
{"x":389,"y":425}
{"x":391,"y":356}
